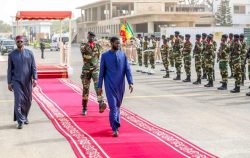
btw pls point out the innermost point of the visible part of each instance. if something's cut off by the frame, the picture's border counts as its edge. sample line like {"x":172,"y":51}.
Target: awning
{"x":43,"y":15}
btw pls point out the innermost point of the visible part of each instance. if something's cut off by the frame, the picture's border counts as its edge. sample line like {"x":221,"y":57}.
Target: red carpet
{"x":52,"y":71}
{"x":91,"y":136}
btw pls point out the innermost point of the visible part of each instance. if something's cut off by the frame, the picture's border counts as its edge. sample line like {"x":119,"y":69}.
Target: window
{"x":239,"y":9}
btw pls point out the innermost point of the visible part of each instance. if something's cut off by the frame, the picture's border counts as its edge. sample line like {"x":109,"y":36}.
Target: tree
{"x":223,"y":15}
{"x":4,"y":28}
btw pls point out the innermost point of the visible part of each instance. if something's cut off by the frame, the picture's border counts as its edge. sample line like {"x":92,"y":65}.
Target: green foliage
{"x":4,"y":28}
{"x":223,"y":15}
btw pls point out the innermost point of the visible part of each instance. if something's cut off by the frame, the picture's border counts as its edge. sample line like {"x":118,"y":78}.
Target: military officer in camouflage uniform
{"x":236,"y":62}
{"x":150,"y":55}
{"x":171,"y":53}
{"x":198,"y":58}
{"x":209,"y":57}
{"x":230,"y":42}
{"x":203,"y":65}
{"x":187,"y":48}
{"x":139,"y":43}
{"x":215,"y":48}
{"x":222,"y":58}
{"x":177,"y":55}
{"x":165,"y":48}
{"x":90,"y":54}
{"x":243,"y":56}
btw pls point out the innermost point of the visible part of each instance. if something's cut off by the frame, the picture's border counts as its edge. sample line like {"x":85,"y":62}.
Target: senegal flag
{"x":126,"y":32}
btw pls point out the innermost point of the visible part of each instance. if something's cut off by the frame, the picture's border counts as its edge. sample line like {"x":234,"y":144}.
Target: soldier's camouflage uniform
{"x":230,"y":42}
{"x":215,"y":48}
{"x":177,"y":46}
{"x":242,"y":57}
{"x":209,"y":60}
{"x":90,"y":70}
{"x":149,"y":53}
{"x":198,"y":48}
{"x":165,"y":51}
{"x":223,"y":58}
{"x":236,"y":62}
{"x":139,"y":51}
{"x":171,"y":54}
{"x":187,"y":48}
{"x":203,"y":63}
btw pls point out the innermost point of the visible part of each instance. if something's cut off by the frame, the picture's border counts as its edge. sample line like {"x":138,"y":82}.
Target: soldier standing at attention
{"x":187,"y":48}
{"x":197,"y":57}
{"x":139,"y":43}
{"x":222,"y":58}
{"x":90,"y":70}
{"x":236,"y":63}
{"x":230,"y":42}
{"x":165,"y":56}
{"x":203,"y":65}
{"x":243,"y":56}
{"x":177,"y":55}
{"x":152,"y":47}
{"x":145,"y":54}
{"x":215,"y":48}
{"x":209,"y":57}
{"x":171,"y":54}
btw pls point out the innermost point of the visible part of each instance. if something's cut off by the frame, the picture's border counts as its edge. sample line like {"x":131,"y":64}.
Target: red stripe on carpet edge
{"x":76,"y":88}
{"x":128,"y":119}
{"x":89,"y":150}
{"x":58,"y":127}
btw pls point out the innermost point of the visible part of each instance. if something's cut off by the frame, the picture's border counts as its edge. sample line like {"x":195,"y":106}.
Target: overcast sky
{"x":9,"y":8}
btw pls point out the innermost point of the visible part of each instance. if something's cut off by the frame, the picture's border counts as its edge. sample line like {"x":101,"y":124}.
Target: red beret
{"x":19,"y":38}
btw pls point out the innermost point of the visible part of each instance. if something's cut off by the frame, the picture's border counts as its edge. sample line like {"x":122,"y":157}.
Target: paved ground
{"x":214,"y":120}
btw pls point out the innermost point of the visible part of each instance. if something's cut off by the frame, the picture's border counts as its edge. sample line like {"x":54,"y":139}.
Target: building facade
{"x":146,"y":16}
{"x":240,"y":10}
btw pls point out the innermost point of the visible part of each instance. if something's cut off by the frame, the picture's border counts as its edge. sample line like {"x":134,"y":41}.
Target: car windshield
{"x":8,"y":42}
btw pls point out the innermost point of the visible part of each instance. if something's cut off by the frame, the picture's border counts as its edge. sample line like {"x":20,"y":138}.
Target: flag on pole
{"x":126,"y":32}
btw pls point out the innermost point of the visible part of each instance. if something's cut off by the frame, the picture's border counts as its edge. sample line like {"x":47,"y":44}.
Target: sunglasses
{"x":19,"y":41}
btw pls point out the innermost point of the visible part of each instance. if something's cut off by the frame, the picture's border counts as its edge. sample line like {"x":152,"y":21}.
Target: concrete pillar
{"x":150,"y":27}
{"x":91,"y":14}
{"x":98,"y":13}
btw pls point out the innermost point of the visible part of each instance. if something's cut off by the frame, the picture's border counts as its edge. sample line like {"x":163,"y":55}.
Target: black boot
{"x":84,"y":108}
{"x":209,"y":84}
{"x":236,"y":89}
{"x":204,"y":76}
{"x":178,"y":77}
{"x":197,"y":82}
{"x":188,"y":79}
{"x":248,"y":94}
{"x":166,"y":76}
{"x":223,"y":87}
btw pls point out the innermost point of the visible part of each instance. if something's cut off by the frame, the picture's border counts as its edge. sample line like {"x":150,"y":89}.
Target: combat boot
{"x":178,"y":77}
{"x":223,"y":86}
{"x":166,"y":76}
{"x":236,"y":89}
{"x":204,"y":76}
{"x":248,"y":94}
{"x":210,"y":84}
{"x":197,"y":82}
{"x":139,"y":69}
{"x":84,"y":108}
{"x":188,"y":79}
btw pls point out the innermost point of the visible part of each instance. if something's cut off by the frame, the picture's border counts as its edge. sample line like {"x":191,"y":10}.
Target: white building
{"x":240,"y":10}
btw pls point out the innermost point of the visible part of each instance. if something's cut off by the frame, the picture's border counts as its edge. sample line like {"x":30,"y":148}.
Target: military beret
{"x":187,"y":36}
{"x":231,"y":34}
{"x":236,"y":36}
{"x":139,"y":35}
{"x":242,"y":35}
{"x":224,"y":36}
{"x":91,"y":33}
{"x":209,"y":37}
{"x":198,"y":36}
{"x":204,"y":34}
{"x":177,"y":32}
